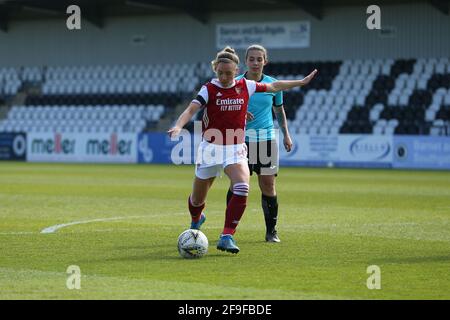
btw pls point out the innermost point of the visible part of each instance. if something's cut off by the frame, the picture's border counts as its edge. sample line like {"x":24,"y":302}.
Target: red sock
{"x":234,"y":212}
{"x":195,"y":211}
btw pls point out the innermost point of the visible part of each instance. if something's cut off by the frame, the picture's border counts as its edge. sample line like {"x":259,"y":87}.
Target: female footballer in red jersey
{"x":225,"y":102}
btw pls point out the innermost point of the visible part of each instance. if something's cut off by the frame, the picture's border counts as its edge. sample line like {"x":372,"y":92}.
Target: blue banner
{"x":157,"y":147}
{"x":13,"y":146}
{"x":347,"y":150}
{"x":360,"y":151}
{"x":421,"y":152}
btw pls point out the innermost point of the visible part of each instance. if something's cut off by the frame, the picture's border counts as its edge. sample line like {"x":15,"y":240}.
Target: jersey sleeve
{"x":254,"y":86}
{"x":202,"y":97}
{"x":278,"y":99}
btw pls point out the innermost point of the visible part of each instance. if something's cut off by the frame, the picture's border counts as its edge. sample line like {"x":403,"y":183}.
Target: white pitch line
{"x":54,"y":228}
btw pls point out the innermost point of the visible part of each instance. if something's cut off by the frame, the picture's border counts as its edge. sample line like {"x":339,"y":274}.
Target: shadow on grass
{"x":169,"y":254}
{"x":259,"y":242}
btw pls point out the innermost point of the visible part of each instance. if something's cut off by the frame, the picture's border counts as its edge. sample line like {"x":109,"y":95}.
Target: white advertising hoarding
{"x":70,"y":147}
{"x":272,"y":35}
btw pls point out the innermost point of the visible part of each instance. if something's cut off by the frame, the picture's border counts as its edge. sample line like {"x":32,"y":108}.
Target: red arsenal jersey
{"x":225,"y":109}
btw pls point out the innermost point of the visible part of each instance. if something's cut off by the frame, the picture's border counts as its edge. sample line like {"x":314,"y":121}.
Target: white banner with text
{"x":272,"y":35}
{"x":70,"y":147}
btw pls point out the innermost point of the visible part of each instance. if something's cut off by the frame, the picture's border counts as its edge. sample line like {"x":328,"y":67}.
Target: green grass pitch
{"x":333,"y":223}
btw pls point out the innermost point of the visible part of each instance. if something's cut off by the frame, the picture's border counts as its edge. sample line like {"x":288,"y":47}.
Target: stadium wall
{"x":345,"y":150}
{"x":420,"y":31}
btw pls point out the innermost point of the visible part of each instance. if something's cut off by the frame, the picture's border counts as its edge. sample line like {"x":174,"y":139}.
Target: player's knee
{"x":241,"y":189}
{"x":268,"y":187}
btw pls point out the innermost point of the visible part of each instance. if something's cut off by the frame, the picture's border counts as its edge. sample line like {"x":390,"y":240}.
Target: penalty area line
{"x":53,"y":229}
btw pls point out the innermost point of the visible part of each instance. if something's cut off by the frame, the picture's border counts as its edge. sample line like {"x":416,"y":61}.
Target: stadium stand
{"x":380,"y":96}
{"x":95,"y":99}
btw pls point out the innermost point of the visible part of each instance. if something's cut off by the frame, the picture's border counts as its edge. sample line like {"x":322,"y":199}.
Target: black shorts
{"x":263,"y":157}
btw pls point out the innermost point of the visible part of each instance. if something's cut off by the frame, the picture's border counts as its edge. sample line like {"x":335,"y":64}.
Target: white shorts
{"x":212,"y":158}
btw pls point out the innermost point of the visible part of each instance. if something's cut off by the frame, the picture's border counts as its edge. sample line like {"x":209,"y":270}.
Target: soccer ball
{"x":192,"y":244}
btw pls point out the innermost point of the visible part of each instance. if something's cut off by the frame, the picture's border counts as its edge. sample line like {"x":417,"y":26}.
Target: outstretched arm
{"x":281,"y":85}
{"x":184,"y":118}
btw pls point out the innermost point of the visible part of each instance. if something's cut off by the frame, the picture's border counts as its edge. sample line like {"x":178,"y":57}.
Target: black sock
{"x":270,"y":209}
{"x":229,"y":195}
